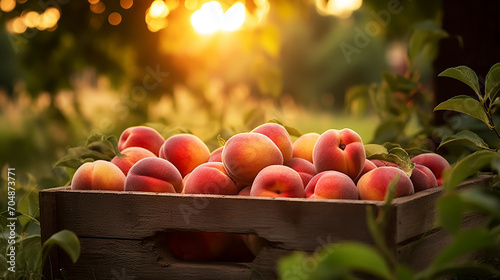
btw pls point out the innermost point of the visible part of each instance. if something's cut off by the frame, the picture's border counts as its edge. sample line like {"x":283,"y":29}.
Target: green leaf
{"x":492,"y":83}
{"x":404,"y":273}
{"x":495,"y":164}
{"x":399,"y":83}
{"x":466,"y":241}
{"x":450,"y":211}
{"x":97,"y":147}
{"x":467,"y":167}
{"x":396,"y":154}
{"x":355,"y":256}
{"x":484,"y":201}
{"x":465,"y":137}
{"x":286,"y":264}
{"x":424,"y":34}
{"x":66,"y":240}
{"x":467,"y":105}
{"x":466,"y":269}
{"x":374,"y":149}
{"x":355,"y":96}
{"x":465,"y":75}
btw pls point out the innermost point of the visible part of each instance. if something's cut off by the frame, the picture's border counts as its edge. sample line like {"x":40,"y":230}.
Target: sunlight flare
{"x":211,"y":18}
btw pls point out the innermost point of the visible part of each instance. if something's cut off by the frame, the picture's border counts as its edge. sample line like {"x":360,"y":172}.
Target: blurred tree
{"x":296,"y":49}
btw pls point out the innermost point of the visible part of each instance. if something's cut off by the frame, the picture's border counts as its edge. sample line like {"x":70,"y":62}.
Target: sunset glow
{"x":211,"y":18}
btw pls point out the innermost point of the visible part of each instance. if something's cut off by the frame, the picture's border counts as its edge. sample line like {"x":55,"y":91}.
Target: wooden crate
{"x":117,"y":229}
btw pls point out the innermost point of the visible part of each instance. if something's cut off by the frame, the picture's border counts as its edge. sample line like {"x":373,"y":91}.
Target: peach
{"x":132,"y":155}
{"x":369,"y":165}
{"x":216,"y":155}
{"x":237,"y":250}
{"x":374,"y":184}
{"x":422,"y":178}
{"x":379,"y":163}
{"x":98,"y":175}
{"x":303,"y":146}
{"x":185,"y":151}
{"x":153,"y":174}
{"x":198,"y":246}
{"x":141,"y":136}
{"x":278,"y":134}
{"x":339,"y":150}
{"x":210,"y":178}
{"x":333,"y":185}
{"x":245,"y":191}
{"x":435,"y":162}
{"x":278,"y":181}
{"x":254,"y":243}
{"x":304,"y":167}
{"x":245,"y":154}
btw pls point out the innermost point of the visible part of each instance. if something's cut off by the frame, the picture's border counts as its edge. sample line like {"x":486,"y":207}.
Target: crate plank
{"x":117,"y":229}
{"x":416,"y":214}
{"x":291,"y":223}
{"x":422,"y":251}
{"x":135,"y":259}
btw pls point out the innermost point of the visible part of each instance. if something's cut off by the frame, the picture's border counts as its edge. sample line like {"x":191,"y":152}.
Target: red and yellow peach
{"x":339,"y":150}
{"x":98,"y":175}
{"x":131,"y":156}
{"x":185,"y":151}
{"x":278,"y":181}
{"x":375,"y":183}
{"x":141,"y":136}
{"x":304,"y":145}
{"x":153,"y":174}
{"x":246,"y":154}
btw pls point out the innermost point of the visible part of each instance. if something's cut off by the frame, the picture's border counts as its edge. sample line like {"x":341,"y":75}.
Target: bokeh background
{"x":69,"y":69}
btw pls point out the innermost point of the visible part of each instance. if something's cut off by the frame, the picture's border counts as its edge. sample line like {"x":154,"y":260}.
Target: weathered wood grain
{"x":117,"y":229}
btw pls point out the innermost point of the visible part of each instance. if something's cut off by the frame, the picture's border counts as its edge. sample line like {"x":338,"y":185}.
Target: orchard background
{"x":72,"y":69}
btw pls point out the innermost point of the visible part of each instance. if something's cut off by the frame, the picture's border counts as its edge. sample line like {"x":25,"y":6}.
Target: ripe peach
{"x":278,"y":180}
{"x":245,"y":191}
{"x":331,"y":184}
{"x":245,"y":154}
{"x":374,"y":184}
{"x":435,"y":162}
{"x":369,"y":165}
{"x":216,"y":155}
{"x":278,"y":134}
{"x":141,"y":136}
{"x":379,"y":163}
{"x":339,"y":150}
{"x":422,"y":178}
{"x":210,"y":178}
{"x":185,"y":151}
{"x":98,"y":175}
{"x":198,"y":246}
{"x":303,"y":146}
{"x":132,"y":155}
{"x":153,"y":174}
{"x":304,"y":167}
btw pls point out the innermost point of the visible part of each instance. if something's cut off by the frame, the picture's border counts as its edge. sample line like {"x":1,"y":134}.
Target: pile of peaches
{"x":262,"y":162}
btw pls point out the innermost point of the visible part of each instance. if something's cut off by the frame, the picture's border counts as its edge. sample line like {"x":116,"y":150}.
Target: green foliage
{"x":390,"y":152}
{"x":465,"y":137}
{"x":97,"y":147}
{"x":467,"y":105}
{"x":451,"y":207}
{"x":423,"y":40}
{"x":31,"y":254}
{"x":402,"y":101}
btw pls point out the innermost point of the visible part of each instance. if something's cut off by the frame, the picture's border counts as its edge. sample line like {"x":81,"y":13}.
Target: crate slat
{"x":117,"y":229}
